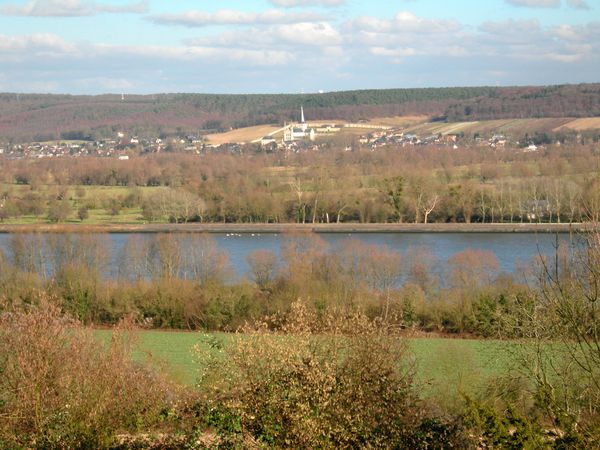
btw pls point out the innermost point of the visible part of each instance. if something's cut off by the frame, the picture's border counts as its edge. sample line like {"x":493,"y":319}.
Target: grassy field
{"x":445,"y":367}
{"x":93,"y":197}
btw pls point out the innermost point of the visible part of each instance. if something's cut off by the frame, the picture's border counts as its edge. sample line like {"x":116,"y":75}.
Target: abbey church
{"x":298,"y":131}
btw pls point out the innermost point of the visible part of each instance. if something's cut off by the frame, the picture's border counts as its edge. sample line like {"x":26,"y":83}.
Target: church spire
{"x":303,"y":124}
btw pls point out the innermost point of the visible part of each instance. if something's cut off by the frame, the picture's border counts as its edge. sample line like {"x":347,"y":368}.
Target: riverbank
{"x":305,"y":228}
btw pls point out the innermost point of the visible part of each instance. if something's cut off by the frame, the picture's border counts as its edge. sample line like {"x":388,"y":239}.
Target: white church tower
{"x":303,"y":124}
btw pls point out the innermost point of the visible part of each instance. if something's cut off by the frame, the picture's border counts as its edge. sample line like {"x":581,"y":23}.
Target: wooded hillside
{"x":45,"y":116}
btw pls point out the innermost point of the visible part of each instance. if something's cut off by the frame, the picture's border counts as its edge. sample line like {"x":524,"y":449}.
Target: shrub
{"x":61,"y":388}
{"x":557,"y":365}
{"x":59,"y":210}
{"x":263,"y":267}
{"x":338,"y":382}
{"x":508,"y":430}
{"x":83,"y":213}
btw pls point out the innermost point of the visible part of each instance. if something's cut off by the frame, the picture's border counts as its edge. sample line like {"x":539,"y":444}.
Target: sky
{"x":293,"y":46}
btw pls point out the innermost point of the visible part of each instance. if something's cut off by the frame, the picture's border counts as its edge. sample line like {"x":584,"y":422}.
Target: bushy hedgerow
{"x":61,"y":388}
{"x":319,"y":382}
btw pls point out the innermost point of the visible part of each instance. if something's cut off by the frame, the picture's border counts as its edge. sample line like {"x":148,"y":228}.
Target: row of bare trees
{"x":409,"y":185}
{"x":185,"y":280}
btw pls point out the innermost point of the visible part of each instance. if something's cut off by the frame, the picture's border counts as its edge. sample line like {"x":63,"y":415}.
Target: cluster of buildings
{"x":397,"y":137}
{"x":300,"y":131}
{"x":294,"y":137}
{"x":500,"y":141}
{"x":121,"y":147}
{"x":297,"y":135}
{"x":50,"y":150}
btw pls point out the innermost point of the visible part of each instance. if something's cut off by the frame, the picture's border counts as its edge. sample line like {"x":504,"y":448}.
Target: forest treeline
{"x":47,"y":117}
{"x":427,"y":184}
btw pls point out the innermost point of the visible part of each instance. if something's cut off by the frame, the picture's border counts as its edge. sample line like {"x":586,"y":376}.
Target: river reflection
{"x":514,"y":251}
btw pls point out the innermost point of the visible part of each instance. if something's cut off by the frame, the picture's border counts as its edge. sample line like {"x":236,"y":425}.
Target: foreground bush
{"x":61,"y":388}
{"x":344,"y":383}
{"x":550,"y":394}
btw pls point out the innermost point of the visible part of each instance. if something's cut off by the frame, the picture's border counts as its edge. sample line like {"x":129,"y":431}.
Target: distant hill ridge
{"x":49,"y":116}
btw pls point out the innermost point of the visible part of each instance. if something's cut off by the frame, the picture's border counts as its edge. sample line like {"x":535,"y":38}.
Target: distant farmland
{"x":420,"y":126}
{"x":516,"y":127}
{"x":244,"y":135}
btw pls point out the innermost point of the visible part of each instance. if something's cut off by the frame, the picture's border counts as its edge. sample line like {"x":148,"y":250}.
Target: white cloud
{"x":588,"y":34}
{"x":39,"y":48}
{"x":106,"y":83}
{"x":562,"y":58}
{"x":528,"y":41}
{"x":234,"y":17}
{"x":397,"y":56}
{"x":197,"y":53}
{"x":535,"y":3}
{"x":295,"y":3}
{"x":401,"y":52}
{"x":277,"y":53}
{"x":567,"y":32}
{"x":512,"y":41}
{"x":36,"y":44}
{"x":70,"y":8}
{"x":577,"y":4}
{"x":405,"y":22}
{"x":310,"y":44}
{"x":310,"y":34}
{"x":456,"y":51}
{"x":510,"y":31}
{"x":403,"y":36}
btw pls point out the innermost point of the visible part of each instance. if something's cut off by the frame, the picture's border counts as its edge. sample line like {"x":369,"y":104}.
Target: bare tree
{"x":296,"y":187}
{"x":573,"y":192}
{"x":263,"y":267}
{"x":429,"y":206}
{"x":205,"y":261}
{"x":471,"y":269}
{"x":376,"y":267}
{"x":165,"y":255}
{"x":134,"y":258}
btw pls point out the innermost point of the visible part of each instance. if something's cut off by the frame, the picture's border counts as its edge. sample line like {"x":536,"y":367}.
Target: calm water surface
{"x":513,"y":250}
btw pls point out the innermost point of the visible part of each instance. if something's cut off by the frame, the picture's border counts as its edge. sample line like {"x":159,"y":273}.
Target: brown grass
{"x":587,"y":123}
{"x":398,"y":121}
{"x":511,"y":127}
{"x":244,"y":135}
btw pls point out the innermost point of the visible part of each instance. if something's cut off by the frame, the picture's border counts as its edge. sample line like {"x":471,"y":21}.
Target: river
{"x":512,"y":250}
